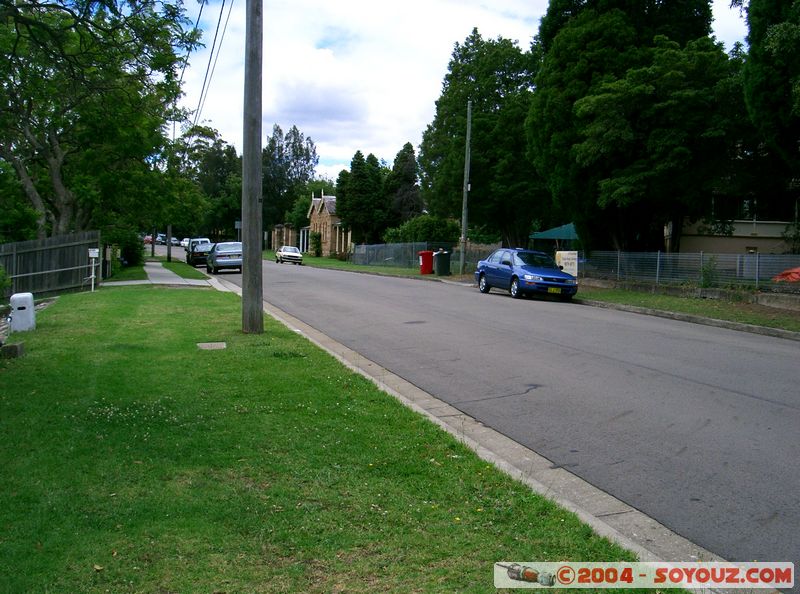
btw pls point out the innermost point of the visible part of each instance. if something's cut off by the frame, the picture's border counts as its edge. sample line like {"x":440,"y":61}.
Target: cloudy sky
{"x":357,"y":74}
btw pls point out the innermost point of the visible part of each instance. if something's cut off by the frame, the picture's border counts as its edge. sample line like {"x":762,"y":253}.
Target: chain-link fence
{"x":701,"y":269}
{"x":406,"y":255}
{"x":755,"y":271}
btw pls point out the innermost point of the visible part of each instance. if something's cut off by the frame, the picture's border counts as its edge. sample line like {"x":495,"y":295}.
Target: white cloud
{"x":360,"y":75}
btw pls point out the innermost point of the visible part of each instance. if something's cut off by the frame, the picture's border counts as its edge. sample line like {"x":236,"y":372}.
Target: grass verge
{"x":135,"y":462}
{"x":183,"y":269}
{"x":743,"y":313}
{"x":128,"y":273}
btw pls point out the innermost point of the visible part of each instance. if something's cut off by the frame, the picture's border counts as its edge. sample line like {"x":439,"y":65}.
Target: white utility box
{"x":23,"y":315}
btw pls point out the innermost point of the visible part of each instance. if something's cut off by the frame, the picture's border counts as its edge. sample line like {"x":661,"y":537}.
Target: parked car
{"x":197,"y":250}
{"x":174,"y":241}
{"x":522,"y":272}
{"x":161,"y":239}
{"x":185,"y":242}
{"x":227,"y":254}
{"x":148,"y":239}
{"x":289,"y":253}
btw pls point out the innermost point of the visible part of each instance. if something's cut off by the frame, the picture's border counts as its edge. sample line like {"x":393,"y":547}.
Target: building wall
{"x":334,"y":239}
{"x":748,"y":236}
{"x":283,"y":235}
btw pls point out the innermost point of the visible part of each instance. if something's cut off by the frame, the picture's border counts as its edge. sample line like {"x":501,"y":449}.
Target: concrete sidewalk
{"x":158,"y":275}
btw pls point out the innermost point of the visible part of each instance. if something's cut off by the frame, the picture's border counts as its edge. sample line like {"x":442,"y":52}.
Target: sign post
{"x":94,"y":254}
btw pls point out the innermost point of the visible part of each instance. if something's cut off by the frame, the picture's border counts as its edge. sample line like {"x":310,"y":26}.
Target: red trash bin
{"x":425,"y":262}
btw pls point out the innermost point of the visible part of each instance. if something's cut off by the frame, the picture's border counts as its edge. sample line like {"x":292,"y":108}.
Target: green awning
{"x":561,"y":233}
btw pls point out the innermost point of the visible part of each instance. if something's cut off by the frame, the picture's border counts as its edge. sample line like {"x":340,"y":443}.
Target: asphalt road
{"x":698,"y":427}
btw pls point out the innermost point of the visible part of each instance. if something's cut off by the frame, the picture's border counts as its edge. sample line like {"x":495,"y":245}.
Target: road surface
{"x":698,"y":427}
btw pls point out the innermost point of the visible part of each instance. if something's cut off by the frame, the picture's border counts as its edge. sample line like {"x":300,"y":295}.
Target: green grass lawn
{"x":745,"y":313}
{"x":183,"y":269}
{"x":128,"y":273}
{"x":133,"y":461}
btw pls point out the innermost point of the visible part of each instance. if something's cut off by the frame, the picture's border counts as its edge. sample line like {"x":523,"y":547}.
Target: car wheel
{"x":514,"y":289}
{"x":566,"y":298}
{"x":483,"y":286}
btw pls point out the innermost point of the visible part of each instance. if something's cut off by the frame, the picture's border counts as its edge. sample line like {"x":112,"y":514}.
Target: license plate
{"x":555,"y":290}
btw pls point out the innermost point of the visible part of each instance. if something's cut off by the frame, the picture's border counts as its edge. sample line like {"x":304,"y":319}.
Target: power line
{"x":219,"y":49}
{"x":206,"y":78}
{"x":185,"y":63}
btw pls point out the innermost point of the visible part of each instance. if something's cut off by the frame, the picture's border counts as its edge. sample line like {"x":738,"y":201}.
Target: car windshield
{"x":233,"y":246}
{"x":290,"y":249}
{"x":533,"y":259}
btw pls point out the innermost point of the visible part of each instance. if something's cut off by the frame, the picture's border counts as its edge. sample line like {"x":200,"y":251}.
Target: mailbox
{"x":23,"y":314}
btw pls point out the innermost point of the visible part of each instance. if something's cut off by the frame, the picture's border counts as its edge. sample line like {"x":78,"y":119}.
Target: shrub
{"x":316,"y":244}
{"x":128,"y":248}
{"x":708,"y":273}
{"x":425,"y":228}
{"x":5,"y":282}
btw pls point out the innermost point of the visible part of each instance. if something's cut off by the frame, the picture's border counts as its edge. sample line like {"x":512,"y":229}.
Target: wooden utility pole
{"x":466,"y":191}
{"x":252,"y":282}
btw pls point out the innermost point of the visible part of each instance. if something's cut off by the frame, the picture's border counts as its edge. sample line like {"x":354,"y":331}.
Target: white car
{"x":185,"y":242}
{"x":289,"y":253}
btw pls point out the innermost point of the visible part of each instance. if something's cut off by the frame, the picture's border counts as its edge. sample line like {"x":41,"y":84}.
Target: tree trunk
{"x":64,"y":206}
{"x":32,"y":194}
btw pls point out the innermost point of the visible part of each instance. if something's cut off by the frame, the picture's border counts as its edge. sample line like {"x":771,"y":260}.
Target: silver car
{"x":289,"y":253}
{"x":227,"y":254}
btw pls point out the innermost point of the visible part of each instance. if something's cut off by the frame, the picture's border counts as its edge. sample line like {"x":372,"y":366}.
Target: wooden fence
{"x":49,"y":266}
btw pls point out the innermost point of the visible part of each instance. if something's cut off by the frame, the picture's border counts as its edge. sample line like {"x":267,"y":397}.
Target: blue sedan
{"x":224,"y":255}
{"x":523,"y":272}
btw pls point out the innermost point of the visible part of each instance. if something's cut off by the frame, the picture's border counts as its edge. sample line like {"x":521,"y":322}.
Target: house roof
{"x":563,"y":232}
{"x":330,"y":204}
{"x":326,"y":202}
{"x":314,"y":203}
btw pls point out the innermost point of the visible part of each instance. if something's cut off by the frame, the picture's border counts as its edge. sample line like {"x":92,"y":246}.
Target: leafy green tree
{"x":360,"y":199}
{"x":288,"y":165}
{"x":657,"y":139}
{"x":86,"y":89}
{"x":402,"y":187}
{"x":506,"y":193}
{"x":17,"y":218}
{"x":424,"y":228}
{"x":203,"y":158}
{"x":587,"y":148}
{"x":298,"y":216}
{"x":772,"y":76}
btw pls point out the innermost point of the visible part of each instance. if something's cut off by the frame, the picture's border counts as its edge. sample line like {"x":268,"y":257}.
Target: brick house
{"x":323,"y":220}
